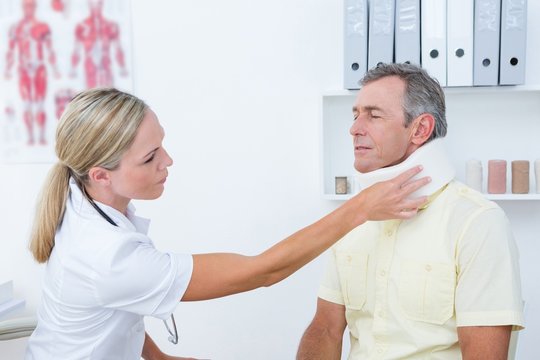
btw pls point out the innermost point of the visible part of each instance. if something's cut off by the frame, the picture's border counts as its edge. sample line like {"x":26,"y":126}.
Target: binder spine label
{"x":515,"y":15}
{"x":488,"y":15}
{"x":407,"y":19}
{"x":355,"y":18}
{"x":383,"y":15}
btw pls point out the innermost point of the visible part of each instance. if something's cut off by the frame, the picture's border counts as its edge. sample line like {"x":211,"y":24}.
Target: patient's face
{"x":379,"y":136}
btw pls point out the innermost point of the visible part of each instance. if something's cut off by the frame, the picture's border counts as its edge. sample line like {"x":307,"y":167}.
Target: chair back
{"x":17,"y":328}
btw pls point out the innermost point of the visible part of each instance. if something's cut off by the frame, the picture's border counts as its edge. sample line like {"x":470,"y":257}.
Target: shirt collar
{"x":129,"y":221}
{"x":432,"y":156}
{"x":432,"y":197}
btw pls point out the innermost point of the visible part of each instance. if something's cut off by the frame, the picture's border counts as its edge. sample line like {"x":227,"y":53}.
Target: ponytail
{"x":49,"y":212}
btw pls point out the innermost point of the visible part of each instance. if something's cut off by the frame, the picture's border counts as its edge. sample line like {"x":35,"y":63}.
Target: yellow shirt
{"x":407,"y":285}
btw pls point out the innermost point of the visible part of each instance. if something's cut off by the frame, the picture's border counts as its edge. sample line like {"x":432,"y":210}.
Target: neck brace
{"x":432,"y":156}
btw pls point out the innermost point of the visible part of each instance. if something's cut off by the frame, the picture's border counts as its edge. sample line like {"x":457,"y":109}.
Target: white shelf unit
{"x":494,"y":197}
{"x":481,"y":123}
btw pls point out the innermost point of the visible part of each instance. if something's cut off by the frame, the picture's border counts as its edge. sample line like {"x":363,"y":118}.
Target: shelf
{"x":494,"y":197}
{"x":337,"y":197}
{"x":501,"y":197}
{"x":491,"y":89}
{"x":456,"y":90}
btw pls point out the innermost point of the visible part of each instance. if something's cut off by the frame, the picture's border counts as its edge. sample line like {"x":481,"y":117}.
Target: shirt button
{"x":383,"y":273}
{"x":389,"y":233}
{"x":349,"y":258}
{"x":380,"y":351}
{"x":428,"y":267}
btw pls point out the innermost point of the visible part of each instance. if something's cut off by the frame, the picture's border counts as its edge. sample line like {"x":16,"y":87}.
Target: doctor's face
{"x":143,"y":168}
{"x":380,"y":138}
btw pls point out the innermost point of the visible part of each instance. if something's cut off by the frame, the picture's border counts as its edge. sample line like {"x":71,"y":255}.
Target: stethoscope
{"x":173,"y":336}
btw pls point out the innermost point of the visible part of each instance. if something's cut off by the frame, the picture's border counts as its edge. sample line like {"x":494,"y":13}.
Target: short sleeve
{"x":488,"y":291}
{"x":138,"y":278}
{"x":330,"y":288}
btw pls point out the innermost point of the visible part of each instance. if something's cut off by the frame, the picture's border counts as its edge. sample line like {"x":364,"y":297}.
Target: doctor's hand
{"x":390,"y":199}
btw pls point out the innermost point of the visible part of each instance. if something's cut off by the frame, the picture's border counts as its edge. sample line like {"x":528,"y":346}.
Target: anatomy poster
{"x":49,"y":51}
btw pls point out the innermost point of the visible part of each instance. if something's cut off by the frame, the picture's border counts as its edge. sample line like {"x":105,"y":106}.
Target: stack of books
{"x":8,"y":305}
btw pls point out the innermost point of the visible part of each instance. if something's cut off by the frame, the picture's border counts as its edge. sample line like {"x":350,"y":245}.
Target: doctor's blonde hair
{"x":96,"y":129}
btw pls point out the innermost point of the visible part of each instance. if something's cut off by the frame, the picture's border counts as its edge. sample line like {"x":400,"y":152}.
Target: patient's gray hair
{"x":423,"y":94}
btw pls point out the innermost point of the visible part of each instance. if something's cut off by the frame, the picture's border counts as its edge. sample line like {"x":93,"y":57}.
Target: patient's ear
{"x":423,"y":127}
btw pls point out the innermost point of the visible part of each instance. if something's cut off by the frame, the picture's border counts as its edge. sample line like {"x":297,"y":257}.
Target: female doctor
{"x":103,"y":272}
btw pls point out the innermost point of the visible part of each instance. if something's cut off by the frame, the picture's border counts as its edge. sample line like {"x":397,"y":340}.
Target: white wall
{"x":237,"y":85}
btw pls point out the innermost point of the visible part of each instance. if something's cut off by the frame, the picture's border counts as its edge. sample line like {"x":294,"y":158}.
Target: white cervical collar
{"x":432,"y":156}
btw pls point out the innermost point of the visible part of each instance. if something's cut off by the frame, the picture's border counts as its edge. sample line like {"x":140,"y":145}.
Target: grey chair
{"x":17,"y":327}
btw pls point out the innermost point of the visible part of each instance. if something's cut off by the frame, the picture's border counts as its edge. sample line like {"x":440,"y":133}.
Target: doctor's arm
{"x":220,"y":274}
{"x":484,"y":342}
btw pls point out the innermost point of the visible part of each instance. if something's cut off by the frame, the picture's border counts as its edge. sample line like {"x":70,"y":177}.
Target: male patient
{"x":443,"y":285}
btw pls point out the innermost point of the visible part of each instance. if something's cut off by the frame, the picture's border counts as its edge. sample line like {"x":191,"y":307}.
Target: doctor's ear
{"x":99,"y":176}
{"x":423,"y":127}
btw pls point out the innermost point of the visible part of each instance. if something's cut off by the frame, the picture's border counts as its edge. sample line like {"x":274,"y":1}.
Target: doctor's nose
{"x":167,"y":161}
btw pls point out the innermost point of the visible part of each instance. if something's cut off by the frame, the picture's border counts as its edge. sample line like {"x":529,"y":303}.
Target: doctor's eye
{"x":150,"y":159}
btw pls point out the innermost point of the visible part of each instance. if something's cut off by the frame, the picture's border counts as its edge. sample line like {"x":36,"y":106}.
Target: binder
{"x":513,"y":42}
{"x":381,"y":32}
{"x":433,"y":38}
{"x":460,"y":17}
{"x":355,"y":42}
{"x":407,"y":33}
{"x":487,"y":20}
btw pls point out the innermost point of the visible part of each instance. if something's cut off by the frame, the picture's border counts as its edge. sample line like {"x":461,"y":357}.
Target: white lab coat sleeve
{"x":134,"y":276}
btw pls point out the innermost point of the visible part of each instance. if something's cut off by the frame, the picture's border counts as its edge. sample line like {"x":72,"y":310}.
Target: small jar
{"x":341,"y":185}
{"x":496,"y":176}
{"x":520,"y":177}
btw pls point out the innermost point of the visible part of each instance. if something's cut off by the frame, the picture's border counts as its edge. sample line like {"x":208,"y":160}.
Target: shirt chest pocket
{"x":352,"y":269}
{"x":426,"y":291}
